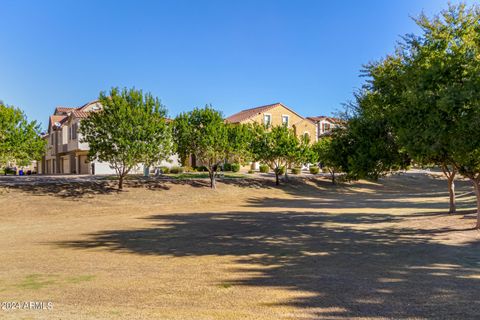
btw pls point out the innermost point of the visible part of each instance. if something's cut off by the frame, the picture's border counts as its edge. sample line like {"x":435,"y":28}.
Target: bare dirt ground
{"x":250,"y":250}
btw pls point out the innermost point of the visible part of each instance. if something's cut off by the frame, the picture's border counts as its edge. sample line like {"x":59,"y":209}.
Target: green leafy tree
{"x":203,"y":132}
{"x":299,"y":153}
{"x":239,"y":142}
{"x":431,"y":91}
{"x":131,"y":129}
{"x":275,"y":148}
{"x":329,"y":153}
{"x":373,"y":149}
{"x":422,"y":130}
{"x":20,"y":139}
{"x":181,"y":137}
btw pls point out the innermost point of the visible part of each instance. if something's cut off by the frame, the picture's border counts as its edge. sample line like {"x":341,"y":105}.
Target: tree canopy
{"x":277,"y":147}
{"x":428,"y":93}
{"x":131,"y":129}
{"x":203,"y":133}
{"x":20,"y":139}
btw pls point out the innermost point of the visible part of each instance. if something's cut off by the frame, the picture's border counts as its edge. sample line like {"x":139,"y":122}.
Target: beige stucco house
{"x":65,"y":153}
{"x":277,"y":114}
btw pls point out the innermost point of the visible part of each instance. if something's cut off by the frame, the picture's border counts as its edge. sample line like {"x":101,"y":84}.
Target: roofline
{"x":265,"y":106}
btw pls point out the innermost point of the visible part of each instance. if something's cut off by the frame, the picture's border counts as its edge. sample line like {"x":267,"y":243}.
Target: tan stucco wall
{"x":299,"y":124}
{"x":306,"y":126}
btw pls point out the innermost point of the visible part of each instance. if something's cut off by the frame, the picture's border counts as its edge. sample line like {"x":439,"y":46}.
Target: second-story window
{"x":267,"y":120}
{"x":73,"y":129}
{"x":285,"y":121}
{"x":326,"y":127}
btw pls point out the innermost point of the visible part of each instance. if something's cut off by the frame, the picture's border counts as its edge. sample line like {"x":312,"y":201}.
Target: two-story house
{"x":273,"y":115}
{"x":277,"y":114}
{"x":65,"y":152}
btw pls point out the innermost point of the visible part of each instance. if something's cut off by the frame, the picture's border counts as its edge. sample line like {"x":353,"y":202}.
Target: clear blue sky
{"x":232,"y":54}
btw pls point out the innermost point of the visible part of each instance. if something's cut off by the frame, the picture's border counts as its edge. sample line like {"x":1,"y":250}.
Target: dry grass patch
{"x":178,"y":250}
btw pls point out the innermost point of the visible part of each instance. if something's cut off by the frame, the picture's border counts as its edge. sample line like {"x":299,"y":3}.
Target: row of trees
{"x":20,"y":139}
{"x":133,"y":129}
{"x":421,"y":103}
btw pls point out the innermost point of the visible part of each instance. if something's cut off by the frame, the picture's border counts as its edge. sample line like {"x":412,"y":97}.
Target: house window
{"x":325,"y":127}
{"x":267,"y":120}
{"x":285,"y":120}
{"x":73,"y":129}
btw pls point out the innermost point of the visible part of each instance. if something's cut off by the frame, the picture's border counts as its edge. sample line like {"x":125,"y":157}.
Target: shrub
{"x":164,"y":169}
{"x":9,"y":170}
{"x":201,"y":169}
{"x":296,"y":170}
{"x":176,"y":170}
{"x":227,"y":167}
{"x":251,"y":171}
{"x":235,"y":167}
{"x":264,"y":168}
{"x":314,"y":169}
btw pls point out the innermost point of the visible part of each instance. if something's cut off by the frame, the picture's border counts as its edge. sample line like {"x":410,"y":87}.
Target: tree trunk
{"x":476,"y":185}
{"x":451,"y":192}
{"x":451,"y":186}
{"x":276,"y":178}
{"x":332,"y":172}
{"x":211,"y":174}
{"x":120,"y":182}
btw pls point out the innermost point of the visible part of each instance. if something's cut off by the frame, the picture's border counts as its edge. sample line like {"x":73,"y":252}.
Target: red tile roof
{"x":86,"y":105}
{"x":57,"y":119}
{"x":249,"y":113}
{"x":79,"y":114}
{"x":63,"y":109}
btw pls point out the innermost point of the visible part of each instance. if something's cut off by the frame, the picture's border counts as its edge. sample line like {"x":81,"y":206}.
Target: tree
{"x":431,"y":91}
{"x":203,"y":132}
{"x":370,"y":148}
{"x":299,"y":152}
{"x":130,"y":129}
{"x":411,"y":112}
{"x":275,"y":148}
{"x":239,"y":142}
{"x":329,"y":156}
{"x":20,"y":140}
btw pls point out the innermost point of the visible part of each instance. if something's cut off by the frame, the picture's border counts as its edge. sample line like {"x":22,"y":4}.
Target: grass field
{"x":249,"y":250}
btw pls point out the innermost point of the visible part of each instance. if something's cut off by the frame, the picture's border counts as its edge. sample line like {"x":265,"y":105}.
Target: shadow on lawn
{"x":77,"y":188}
{"x":68,"y":190}
{"x":367,"y":271}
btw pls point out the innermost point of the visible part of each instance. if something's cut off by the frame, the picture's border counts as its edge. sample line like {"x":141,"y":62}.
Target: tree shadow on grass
{"x":370,"y":270}
{"x":67,"y":190}
{"x":75,"y":188}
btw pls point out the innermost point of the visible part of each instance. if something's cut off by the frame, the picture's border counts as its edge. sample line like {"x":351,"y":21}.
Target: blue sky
{"x":232,"y":54}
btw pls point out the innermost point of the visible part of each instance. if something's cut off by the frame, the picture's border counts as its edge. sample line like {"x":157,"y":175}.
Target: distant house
{"x":325,"y":124}
{"x":277,"y":114}
{"x":65,"y":153}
